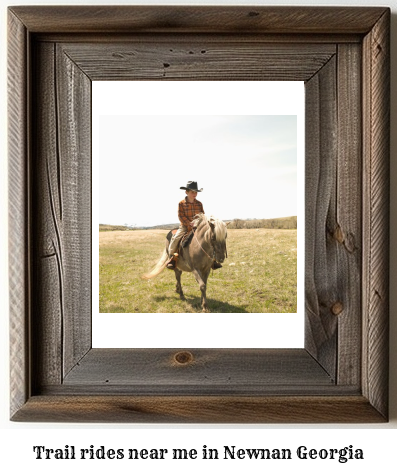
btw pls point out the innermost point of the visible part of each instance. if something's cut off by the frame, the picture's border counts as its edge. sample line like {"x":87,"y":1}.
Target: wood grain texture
{"x":228,"y":370}
{"x":199,"y":409}
{"x":62,"y":205}
{"x":132,"y":37}
{"x":47,"y":292}
{"x":198,"y":19}
{"x":322,"y":288}
{"x":204,"y":60}
{"x":347,"y":225}
{"x":18,"y":213}
{"x":376,"y":91}
{"x":341,"y":376}
{"x":74,"y":134}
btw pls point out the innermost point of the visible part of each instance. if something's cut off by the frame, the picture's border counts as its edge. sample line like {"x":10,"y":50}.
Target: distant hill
{"x":274,"y":223}
{"x":109,"y":227}
{"x":290,"y":222}
{"x":163,"y":226}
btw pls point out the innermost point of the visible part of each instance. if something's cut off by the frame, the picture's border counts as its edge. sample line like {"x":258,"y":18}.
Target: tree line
{"x":275,"y":223}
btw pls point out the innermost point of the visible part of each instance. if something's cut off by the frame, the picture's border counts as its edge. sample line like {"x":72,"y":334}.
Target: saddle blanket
{"x":185,"y":239}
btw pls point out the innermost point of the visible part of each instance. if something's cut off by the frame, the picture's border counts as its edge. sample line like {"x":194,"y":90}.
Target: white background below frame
{"x":200,"y":330}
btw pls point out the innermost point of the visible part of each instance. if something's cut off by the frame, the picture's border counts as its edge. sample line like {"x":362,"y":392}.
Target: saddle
{"x":170,"y":234}
{"x":185,"y":239}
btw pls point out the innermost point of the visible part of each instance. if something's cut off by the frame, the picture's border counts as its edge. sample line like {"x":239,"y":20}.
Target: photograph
{"x":198,"y":214}
{"x":243,"y":224}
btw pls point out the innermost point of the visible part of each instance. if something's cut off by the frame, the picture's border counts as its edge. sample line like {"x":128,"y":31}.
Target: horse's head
{"x":218,"y":238}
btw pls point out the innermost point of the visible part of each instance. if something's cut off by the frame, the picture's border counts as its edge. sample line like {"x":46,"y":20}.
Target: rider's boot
{"x":172,"y":262}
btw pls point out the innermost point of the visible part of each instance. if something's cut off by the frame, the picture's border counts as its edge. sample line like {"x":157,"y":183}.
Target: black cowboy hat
{"x":191,"y":186}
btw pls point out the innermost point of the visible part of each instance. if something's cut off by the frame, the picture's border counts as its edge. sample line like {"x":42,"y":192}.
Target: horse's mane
{"x":219,"y":225}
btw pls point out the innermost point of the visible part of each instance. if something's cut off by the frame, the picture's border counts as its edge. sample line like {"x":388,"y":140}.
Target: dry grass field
{"x":259,"y":275}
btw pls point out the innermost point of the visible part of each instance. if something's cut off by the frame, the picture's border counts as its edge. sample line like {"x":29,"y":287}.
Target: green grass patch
{"x":259,"y":275}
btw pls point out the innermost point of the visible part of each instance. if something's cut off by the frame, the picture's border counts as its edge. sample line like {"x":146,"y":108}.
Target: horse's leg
{"x":202,"y":281}
{"x":178,"y":274}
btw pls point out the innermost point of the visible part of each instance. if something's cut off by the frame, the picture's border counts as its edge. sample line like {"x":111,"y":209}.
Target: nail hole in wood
{"x":183,"y":358}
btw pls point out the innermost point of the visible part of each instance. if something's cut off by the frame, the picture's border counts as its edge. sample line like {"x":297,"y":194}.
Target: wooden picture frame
{"x":342,"y":54}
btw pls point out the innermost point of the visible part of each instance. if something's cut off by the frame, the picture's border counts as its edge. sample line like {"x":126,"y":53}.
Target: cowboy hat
{"x":192,"y":186}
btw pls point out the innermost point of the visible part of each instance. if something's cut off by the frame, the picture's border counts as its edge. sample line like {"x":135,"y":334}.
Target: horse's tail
{"x":158,"y":268}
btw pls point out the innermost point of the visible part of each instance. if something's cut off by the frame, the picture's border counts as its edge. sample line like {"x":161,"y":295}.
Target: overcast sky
{"x":246,"y":164}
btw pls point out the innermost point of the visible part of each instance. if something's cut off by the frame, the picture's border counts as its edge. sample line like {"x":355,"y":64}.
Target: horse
{"x":207,"y":245}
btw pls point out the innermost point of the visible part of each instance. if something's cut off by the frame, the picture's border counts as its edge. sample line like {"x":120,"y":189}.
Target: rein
{"x":194,"y":236}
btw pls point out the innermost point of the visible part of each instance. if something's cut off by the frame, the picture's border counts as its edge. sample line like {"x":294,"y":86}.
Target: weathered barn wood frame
{"x":342,"y":55}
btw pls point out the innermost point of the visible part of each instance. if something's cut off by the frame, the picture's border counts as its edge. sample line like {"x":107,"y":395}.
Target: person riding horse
{"x":188,"y":208}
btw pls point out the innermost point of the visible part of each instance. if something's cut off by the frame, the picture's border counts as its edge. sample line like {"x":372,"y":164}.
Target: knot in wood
{"x":338,"y":235}
{"x":337,"y":308}
{"x":183,"y":358}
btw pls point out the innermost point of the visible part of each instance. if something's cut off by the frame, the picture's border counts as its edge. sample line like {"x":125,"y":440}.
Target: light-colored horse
{"x":207,"y":245}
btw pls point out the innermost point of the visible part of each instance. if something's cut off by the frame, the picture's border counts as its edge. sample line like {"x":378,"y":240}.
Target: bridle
{"x":212,"y":258}
{"x":195,"y":237}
